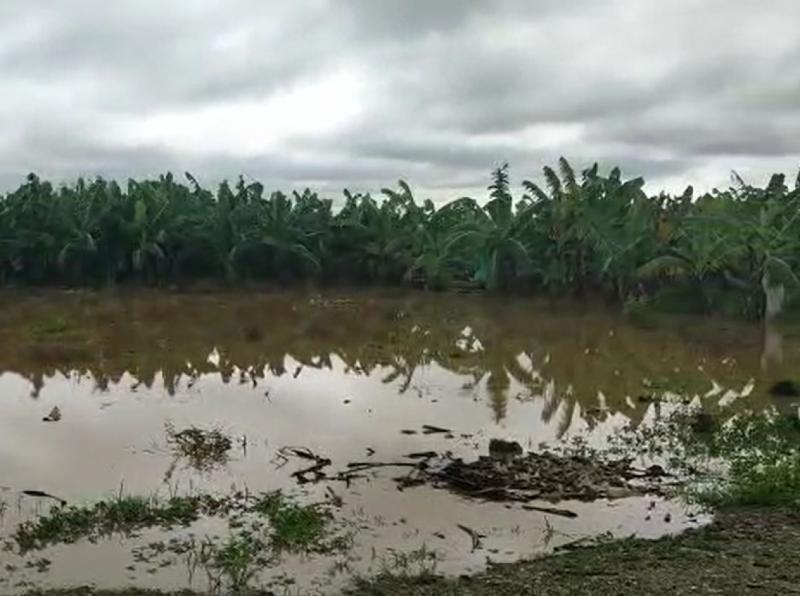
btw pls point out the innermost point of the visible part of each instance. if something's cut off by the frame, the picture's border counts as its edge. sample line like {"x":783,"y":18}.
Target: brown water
{"x":339,"y":373}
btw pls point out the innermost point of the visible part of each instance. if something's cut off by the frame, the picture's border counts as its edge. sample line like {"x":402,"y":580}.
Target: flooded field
{"x":109,"y":396}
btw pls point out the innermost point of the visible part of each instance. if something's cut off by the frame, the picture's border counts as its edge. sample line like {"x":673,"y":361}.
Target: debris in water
{"x":204,"y":449}
{"x":422,"y":455}
{"x":551,"y":510}
{"x":429,"y":429}
{"x":501,"y":448}
{"x":336,"y":500}
{"x":314,"y":472}
{"x":536,"y":476}
{"x":44,"y":495}
{"x":53,"y":416}
{"x":474,"y":536}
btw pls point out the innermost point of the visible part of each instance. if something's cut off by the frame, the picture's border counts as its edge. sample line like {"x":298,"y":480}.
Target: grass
{"x":762,"y":456}
{"x":756,"y":483}
{"x":204,"y":449}
{"x":419,"y":563}
{"x":123,"y":514}
{"x":263,"y":527}
{"x":232,"y":565}
{"x":293,"y":526}
{"x":729,"y":557}
{"x":747,"y":459}
{"x":49,"y":327}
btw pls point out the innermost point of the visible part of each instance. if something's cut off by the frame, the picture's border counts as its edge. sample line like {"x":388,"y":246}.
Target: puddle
{"x":352,"y":377}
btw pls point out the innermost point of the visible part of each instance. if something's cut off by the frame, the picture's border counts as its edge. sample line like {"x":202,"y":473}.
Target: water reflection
{"x":772,"y":355}
{"x":509,"y":349}
{"x":345,"y":375}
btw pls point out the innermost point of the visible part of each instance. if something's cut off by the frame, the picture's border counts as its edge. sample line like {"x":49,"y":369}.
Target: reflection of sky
{"x":106,"y":436}
{"x":114,"y":439}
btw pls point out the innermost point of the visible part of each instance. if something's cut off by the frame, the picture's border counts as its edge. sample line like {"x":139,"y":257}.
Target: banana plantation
{"x":595,"y":233}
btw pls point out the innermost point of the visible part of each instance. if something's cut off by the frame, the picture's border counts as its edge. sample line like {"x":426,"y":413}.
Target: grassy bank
{"x":745,"y":551}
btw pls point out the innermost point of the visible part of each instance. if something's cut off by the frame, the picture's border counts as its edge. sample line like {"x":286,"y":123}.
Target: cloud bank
{"x":357,"y":93}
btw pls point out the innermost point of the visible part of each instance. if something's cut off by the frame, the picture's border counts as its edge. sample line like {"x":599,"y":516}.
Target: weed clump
{"x":762,"y":457}
{"x":294,"y":527}
{"x":746,"y":459}
{"x":124,"y":514}
{"x":204,"y":449}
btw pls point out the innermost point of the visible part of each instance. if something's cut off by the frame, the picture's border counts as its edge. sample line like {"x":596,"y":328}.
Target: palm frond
{"x":568,"y":176}
{"x":663,"y":265}
{"x":553,"y":182}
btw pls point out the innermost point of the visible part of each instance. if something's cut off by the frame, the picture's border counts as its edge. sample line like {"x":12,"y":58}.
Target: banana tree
{"x":769,"y":230}
{"x":268,"y":240}
{"x":498,"y":235}
{"x":703,"y":249}
{"x":378,"y":236}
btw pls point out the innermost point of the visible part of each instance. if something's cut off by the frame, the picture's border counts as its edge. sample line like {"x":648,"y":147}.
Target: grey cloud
{"x":449,"y":88}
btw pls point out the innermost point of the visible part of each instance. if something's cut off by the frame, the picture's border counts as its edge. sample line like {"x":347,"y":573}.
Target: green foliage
{"x":575,"y":233}
{"x":763,"y":462}
{"x":744,"y":459}
{"x":123,"y":514}
{"x":294,"y":527}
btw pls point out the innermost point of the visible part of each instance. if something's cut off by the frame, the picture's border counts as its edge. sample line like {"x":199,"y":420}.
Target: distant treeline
{"x":591,"y":233}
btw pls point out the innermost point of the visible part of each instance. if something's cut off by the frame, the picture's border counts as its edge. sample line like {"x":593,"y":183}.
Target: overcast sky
{"x":359,"y":93}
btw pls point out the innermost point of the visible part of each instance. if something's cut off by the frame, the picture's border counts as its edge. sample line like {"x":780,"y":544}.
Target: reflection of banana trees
{"x":511,"y":347}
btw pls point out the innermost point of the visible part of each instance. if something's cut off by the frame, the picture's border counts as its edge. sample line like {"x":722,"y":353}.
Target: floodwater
{"x":348,"y":375}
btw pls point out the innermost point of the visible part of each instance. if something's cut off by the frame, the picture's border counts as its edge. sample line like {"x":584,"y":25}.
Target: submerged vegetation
{"x":743,"y":459}
{"x":123,"y":514}
{"x":204,"y":449}
{"x":261,"y":529}
{"x":293,"y":526}
{"x":587,"y":233}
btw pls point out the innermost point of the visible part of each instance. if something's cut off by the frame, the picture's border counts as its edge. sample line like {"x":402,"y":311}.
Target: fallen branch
{"x":551,"y":510}
{"x":316,"y":470}
{"x":429,"y":429}
{"x":474,"y":536}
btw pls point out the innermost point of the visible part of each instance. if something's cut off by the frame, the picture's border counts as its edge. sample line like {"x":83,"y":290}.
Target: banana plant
{"x":498,"y":235}
{"x":703,"y":249}
{"x":267,"y":239}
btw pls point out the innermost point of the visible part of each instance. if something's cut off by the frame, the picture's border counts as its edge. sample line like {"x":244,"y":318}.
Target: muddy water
{"x":354,"y":377}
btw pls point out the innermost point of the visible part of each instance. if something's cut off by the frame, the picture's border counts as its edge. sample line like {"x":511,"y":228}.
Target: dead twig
{"x":474,"y":536}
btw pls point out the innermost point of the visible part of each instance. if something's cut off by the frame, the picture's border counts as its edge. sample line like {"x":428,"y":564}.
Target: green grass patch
{"x":124,"y":514}
{"x":762,"y":457}
{"x":745,"y":459}
{"x":293,"y":526}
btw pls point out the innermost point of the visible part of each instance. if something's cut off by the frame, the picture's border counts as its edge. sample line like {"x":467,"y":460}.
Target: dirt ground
{"x":745,"y":551}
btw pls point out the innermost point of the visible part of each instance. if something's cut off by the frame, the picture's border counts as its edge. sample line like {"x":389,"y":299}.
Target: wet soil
{"x":745,"y":551}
